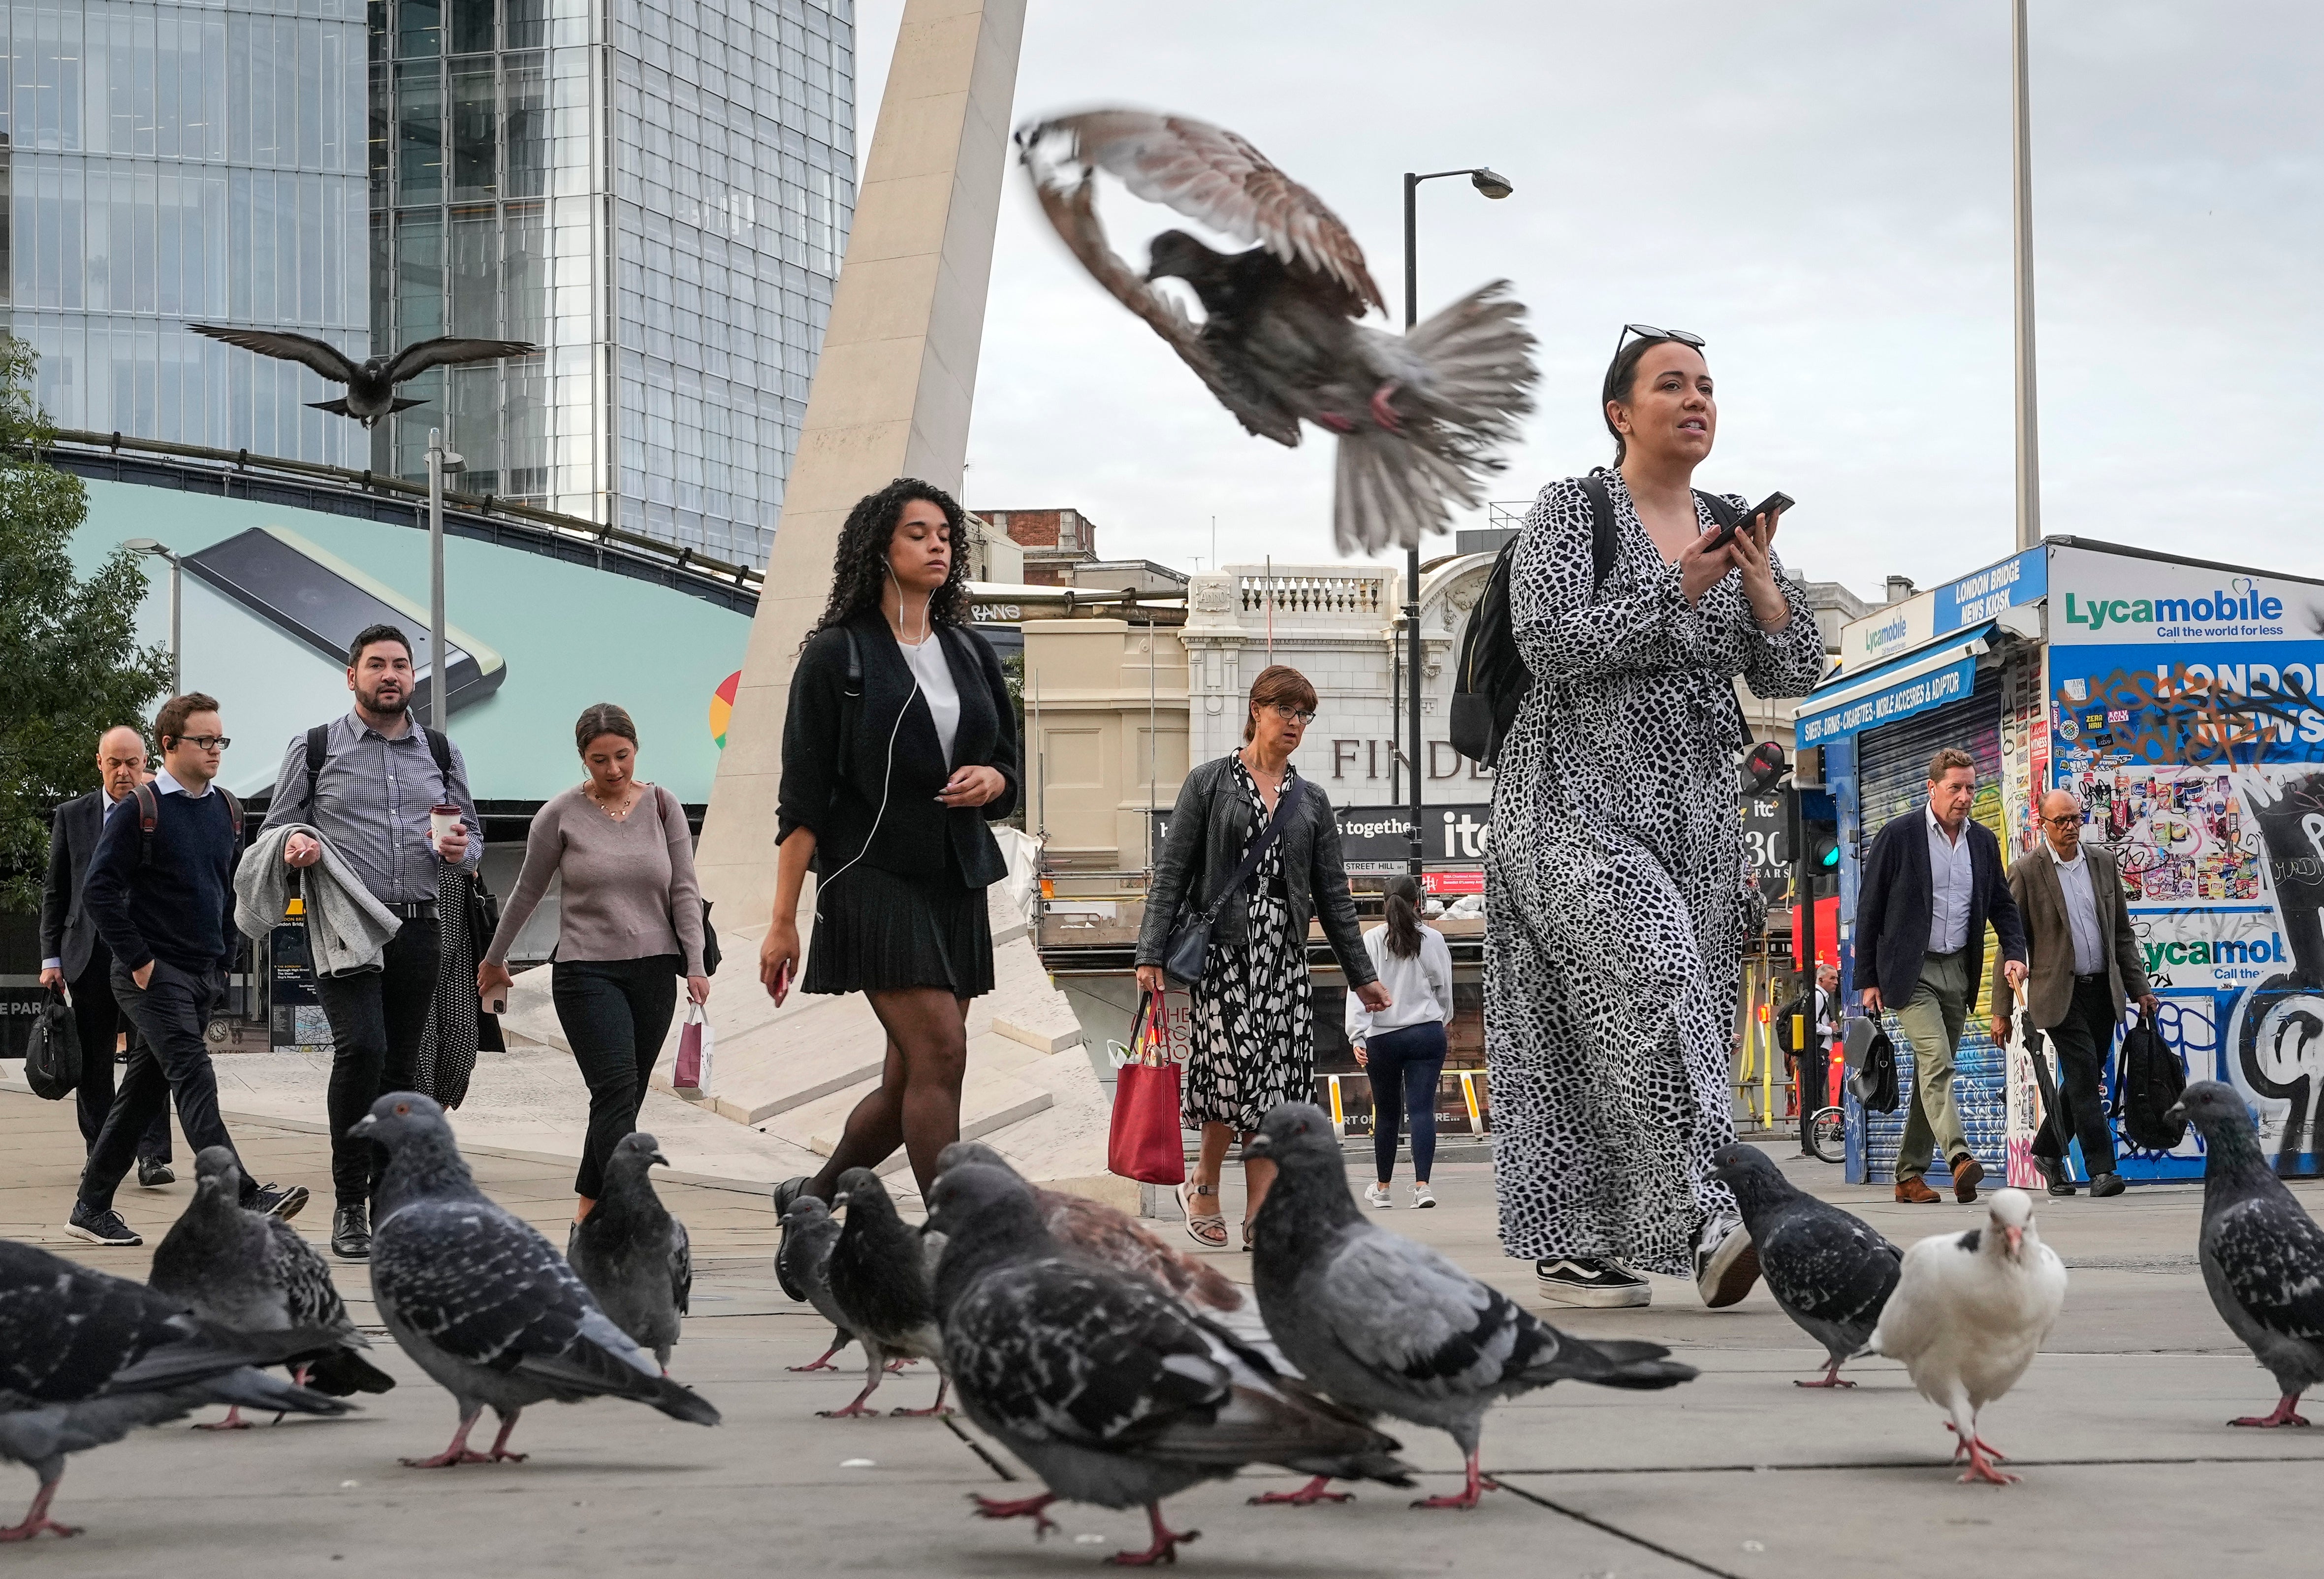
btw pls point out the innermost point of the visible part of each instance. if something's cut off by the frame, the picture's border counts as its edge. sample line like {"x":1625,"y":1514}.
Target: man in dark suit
{"x":74,"y":957}
{"x":2085,"y":966}
{"x":1931,"y":883}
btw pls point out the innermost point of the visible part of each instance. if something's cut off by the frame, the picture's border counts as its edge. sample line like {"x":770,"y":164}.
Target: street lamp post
{"x":441,"y":460}
{"x":2029,"y":440}
{"x":1491,"y":186}
{"x":146,"y":545}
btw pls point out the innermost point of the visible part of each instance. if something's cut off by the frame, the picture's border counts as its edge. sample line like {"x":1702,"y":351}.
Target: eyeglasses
{"x":2072,"y":821}
{"x":1649,"y":332}
{"x":1291,"y":715}
{"x":207,"y":741}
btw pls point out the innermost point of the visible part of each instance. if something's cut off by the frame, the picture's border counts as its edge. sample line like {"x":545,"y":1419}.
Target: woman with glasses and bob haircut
{"x":1613,"y":876}
{"x":1253,"y":1030}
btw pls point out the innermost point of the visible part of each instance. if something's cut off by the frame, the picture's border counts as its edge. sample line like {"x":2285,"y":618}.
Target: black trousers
{"x":2084,"y":1042}
{"x":616,"y":1013}
{"x":98,"y":1022}
{"x":377,"y":1019}
{"x":171,"y":1057}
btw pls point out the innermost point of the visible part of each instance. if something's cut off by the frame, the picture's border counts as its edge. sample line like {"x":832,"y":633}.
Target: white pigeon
{"x":1969,"y":1315}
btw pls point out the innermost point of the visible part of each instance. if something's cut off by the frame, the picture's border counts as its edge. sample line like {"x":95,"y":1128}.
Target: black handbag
{"x":710,"y":953}
{"x":1872,"y":1072}
{"x":53,"y":1051}
{"x":1190,"y":934}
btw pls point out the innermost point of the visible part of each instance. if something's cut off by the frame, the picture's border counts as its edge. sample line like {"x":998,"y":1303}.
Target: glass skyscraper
{"x":176,"y":162}
{"x":656,"y":191}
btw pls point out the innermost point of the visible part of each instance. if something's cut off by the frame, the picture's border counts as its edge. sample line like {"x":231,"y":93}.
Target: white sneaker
{"x":1377,"y":1195}
{"x":1423,"y":1197}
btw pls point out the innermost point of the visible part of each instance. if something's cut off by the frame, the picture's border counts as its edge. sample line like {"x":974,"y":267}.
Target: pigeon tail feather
{"x":343,"y":1372}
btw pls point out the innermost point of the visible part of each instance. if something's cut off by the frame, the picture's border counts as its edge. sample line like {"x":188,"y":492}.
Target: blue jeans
{"x":1404,"y":1065}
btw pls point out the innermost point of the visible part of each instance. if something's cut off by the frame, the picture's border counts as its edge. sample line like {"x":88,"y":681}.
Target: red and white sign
{"x":1458,"y":881}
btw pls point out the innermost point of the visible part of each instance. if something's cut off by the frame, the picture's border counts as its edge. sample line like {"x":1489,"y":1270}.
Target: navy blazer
{"x":1897,"y":893}
{"x":67,"y":931}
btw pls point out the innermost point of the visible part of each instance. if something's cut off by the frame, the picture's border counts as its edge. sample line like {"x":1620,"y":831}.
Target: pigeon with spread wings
{"x":1419,"y":416}
{"x":371,"y":384}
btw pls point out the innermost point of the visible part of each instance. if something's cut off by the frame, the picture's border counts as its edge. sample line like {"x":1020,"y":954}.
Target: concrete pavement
{"x":2118,"y":1429}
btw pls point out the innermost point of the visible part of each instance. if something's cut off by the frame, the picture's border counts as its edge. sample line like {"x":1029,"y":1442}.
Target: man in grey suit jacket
{"x":73,"y":956}
{"x":2084,"y":966}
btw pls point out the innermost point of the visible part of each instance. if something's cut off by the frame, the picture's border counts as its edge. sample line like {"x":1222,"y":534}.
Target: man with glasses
{"x":161,"y":887}
{"x":2084,"y":967}
{"x":72,"y":955}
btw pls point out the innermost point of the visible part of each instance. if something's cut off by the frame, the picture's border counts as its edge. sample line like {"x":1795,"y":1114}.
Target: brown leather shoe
{"x":1914,"y":1191}
{"x":1967,"y":1172}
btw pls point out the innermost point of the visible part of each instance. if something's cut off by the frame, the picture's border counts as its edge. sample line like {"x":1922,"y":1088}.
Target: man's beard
{"x":385,"y":706}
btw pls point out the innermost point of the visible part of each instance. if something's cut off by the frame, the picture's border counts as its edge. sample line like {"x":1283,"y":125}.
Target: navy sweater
{"x":181,"y":908}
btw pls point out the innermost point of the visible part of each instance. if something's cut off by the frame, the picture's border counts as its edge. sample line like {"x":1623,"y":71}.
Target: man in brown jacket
{"x":2085,"y":965}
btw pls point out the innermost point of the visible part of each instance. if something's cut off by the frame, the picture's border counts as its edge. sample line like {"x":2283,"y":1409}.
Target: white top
{"x":1952,"y":880}
{"x":927,"y":659}
{"x":166,"y":783}
{"x":2082,"y":911}
{"x":1421,"y":987}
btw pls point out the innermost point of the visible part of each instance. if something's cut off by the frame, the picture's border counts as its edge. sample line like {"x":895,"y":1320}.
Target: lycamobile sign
{"x":2167,"y":615}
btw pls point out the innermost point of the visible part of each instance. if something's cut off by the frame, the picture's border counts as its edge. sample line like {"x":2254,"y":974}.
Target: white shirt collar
{"x":1929,"y":815}
{"x":2080,"y":854}
{"x":165,"y":784}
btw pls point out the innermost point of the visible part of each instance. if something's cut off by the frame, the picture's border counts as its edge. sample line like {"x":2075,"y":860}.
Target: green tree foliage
{"x":70,"y":664}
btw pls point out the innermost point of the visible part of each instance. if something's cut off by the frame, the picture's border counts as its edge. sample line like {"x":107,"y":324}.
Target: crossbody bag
{"x":1190,"y":934}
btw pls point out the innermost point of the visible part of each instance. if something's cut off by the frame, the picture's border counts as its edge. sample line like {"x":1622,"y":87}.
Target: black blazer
{"x":1894,"y":901}
{"x":68,"y":931}
{"x":833,"y":786}
{"x":1208,"y":829}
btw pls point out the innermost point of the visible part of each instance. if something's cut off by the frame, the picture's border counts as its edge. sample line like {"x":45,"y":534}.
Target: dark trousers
{"x":98,"y":1022}
{"x":171,"y":1057}
{"x":377,"y":1019}
{"x":1404,"y":1065}
{"x":2085,"y":1044}
{"x":1808,"y":1072}
{"x":615,"y":1012}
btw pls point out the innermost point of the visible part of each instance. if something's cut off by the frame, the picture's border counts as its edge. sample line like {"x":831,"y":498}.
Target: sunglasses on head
{"x":1649,"y":332}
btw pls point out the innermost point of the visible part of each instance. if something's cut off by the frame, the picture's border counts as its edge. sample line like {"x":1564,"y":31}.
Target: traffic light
{"x":1822,"y":842}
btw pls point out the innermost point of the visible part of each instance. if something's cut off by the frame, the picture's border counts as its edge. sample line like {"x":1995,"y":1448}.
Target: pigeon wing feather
{"x":448,"y":349}
{"x":319,"y":354}
{"x":2272,"y":1256}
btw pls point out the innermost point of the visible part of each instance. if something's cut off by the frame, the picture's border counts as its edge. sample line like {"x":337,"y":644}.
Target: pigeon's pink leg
{"x":937,"y":1407}
{"x":1982,"y":1456}
{"x":1334,"y":421}
{"x":822,"y":1361}
{"x":899,"y":1363}
{"x":1382,"y":413}
{"x":1164,"y":1548}
{"x":1313,"y":1492}
{"x":2287,"y":1413}
{"x":1831,"y":1377}
{"x":457,"y":1453}
{"x":233,"y":1421}
{"x":500,"y":1443}
{"x":1466,"y":1498}
{"x":855,"y":1409}
{"x":1032,"y":1508}
{"x":1965,"y":1442}
{"x":36,"y":1517}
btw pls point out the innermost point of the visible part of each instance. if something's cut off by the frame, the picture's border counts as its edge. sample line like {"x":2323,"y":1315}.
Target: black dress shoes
{"x":2108,"y":1184}
{"x":2053,"y":1171}
{"x":351,"y":1233}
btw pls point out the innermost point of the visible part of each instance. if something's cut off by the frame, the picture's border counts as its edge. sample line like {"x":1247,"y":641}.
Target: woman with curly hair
{"x":899,"y":747}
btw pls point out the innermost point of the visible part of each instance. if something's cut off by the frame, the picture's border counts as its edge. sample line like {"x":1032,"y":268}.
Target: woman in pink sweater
{"x":629,"y":925}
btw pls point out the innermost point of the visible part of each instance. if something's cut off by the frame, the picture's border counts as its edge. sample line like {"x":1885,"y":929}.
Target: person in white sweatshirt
{"x":1402,"y":1046}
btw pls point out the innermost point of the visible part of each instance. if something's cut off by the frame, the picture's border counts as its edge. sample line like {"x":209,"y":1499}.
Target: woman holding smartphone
{"x":629,"y":925}
{"x":899,"y":747}
{"x":1612,"y":964}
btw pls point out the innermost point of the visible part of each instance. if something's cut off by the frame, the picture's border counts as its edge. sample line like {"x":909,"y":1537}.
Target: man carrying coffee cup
{"x":392,"y":801}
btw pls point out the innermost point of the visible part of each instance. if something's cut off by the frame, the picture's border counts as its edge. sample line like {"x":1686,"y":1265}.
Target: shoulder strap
{"x":1721,"y":512}
{"x":1283,"y":807}
{"x":149,"y":814}
{"x":440,"y":746}
{"x":232,"y":811}
{"x":318,"y":746}
{"x":1601,"y":530}
{"x":854,"y":685}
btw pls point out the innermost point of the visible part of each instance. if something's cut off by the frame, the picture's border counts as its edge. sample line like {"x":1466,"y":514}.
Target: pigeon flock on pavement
{"x":1120,"y":1370}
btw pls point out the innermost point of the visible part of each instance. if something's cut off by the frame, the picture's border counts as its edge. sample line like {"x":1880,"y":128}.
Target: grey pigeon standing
{"x":809,"y":1230}
{"x":633,"y":1254}
{"x":2263,"y":1254}
{"x":247,"y":1272}
{"x":878,"y":1274}
{"x":1832,"y":1272}
{"x":1387,"y":1325}
{"x":481,"y":1301}
{"x":85,"y":1358}
{"x":1111,"y":1391}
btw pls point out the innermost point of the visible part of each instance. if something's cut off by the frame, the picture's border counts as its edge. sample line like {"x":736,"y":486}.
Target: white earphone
{"x":887,"y":770}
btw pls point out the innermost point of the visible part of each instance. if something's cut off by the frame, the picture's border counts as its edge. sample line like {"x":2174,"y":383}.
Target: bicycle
{"x":1828,"y":1134}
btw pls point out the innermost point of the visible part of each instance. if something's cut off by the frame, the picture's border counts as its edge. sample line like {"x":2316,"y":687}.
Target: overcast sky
{"x":1819,"y":189}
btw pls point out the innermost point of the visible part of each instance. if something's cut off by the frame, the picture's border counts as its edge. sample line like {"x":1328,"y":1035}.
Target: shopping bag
{"x":694,"y":1044}
{"x":1145,"y":1143}
{"x":53,"y":1051}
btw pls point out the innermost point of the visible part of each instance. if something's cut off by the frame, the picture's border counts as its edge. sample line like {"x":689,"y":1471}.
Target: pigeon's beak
{"x":838,"y":1200}
{"x":657,"y":1157}
{"x":1258,"y":1146}
{"x":2177,"y":1110}
{"x":363,"y":1126}
{"x":2015,"y":1238}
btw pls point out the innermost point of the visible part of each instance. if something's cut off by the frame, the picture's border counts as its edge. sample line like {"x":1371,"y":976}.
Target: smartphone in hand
{"x":782,"y":984}
{"x":1774,"y":504}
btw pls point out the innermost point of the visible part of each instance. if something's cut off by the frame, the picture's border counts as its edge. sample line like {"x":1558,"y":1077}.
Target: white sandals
{"x":1207,"y":1230}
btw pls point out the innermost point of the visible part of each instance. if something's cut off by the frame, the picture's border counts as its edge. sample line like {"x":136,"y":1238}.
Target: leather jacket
{"x":1208,"y":829}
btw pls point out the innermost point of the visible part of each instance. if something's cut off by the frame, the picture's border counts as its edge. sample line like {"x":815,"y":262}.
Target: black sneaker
{"x":279,"y":1203}
{"x":1589,"y":1281}
{"x":1726,"y":1262}
{"x":154,"y":1172}
{"x":351,"y":1233}
{"x":104,"y":1227}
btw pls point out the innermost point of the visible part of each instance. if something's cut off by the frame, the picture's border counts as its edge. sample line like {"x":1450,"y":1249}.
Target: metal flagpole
{"x":2029,"y":443}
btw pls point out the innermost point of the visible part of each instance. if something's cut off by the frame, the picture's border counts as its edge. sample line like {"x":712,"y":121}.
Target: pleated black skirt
{"x":877,"y":930}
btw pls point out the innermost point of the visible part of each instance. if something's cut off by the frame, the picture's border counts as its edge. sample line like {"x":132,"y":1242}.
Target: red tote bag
{"x":1146,"y":1143}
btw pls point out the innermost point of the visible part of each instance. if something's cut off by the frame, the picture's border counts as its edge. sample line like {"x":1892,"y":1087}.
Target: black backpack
{"x":53,"y":1051}
{"x":1492,"y":680}
{"x":2152,"y":1080}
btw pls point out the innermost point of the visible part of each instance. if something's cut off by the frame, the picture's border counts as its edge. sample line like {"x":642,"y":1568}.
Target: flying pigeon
{"x":878,"y":1274}
{"x":1387,"y":1325}
{"x":633,"y":1255}
{"x":1111,"y":1391}
{"x":1108,"y":1235}
{"x":1831,"y":1272}
{"x":86,"y":1357}
{"x":247,"y":1272}
{"x":477,"y":1298}
{"x":2263,"y":1255}
{"x":1966,"y":1317}
{"x":1419,"y":416}
{"x":370,"y":384}
{"x":809,"y":1230}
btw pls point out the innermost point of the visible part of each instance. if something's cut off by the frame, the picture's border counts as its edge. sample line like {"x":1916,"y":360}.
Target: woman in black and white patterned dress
{"x":1613,"y":961}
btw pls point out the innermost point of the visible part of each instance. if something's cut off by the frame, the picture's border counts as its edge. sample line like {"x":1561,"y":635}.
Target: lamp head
{"x":1490,"y":184}
{"x":146,"y":545}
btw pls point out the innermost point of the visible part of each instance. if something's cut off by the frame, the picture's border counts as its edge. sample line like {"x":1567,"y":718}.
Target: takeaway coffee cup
{"x":441,"y":822}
